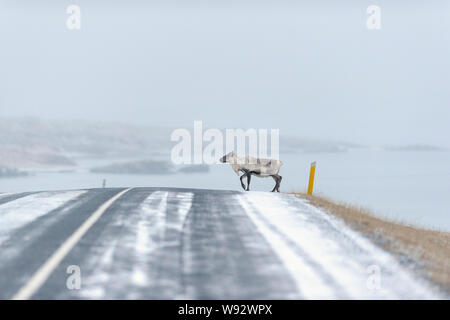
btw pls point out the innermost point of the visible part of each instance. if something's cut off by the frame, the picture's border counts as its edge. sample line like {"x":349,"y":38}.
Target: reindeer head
{"x":228,"y":158}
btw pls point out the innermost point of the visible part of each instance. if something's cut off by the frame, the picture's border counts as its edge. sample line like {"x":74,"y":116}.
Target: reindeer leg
{"x":249,"y":177}
{"x":242,"y":177}
{"x":276,"y":183}
{"x":279,"y":182}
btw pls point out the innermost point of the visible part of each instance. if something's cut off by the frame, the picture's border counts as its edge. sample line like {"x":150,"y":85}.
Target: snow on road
{"x":185,"y":243}
{"x":123,"y":261}
{"x":325,"y":257}
{"x":18,"y":213}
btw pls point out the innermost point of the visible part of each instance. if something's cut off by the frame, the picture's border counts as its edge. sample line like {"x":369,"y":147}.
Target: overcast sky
{"x":309,"y":68}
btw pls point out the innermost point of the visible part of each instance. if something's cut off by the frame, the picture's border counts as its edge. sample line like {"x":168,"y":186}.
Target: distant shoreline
{"x":9,"y":173}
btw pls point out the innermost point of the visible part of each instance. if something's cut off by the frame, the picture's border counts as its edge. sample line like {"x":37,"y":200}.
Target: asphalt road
{"x":166,"y":243}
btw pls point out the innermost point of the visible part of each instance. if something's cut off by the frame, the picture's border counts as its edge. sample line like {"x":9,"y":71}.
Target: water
{"x":412,"y":187}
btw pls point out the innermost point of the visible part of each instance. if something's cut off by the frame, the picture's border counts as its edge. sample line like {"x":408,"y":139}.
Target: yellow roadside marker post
{"x":312,"y":171}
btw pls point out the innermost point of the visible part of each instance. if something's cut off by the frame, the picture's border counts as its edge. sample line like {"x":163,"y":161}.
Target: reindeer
{"x":249,"y":166}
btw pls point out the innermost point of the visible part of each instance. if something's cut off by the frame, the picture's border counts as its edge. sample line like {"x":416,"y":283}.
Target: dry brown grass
{"x":430,"y":247}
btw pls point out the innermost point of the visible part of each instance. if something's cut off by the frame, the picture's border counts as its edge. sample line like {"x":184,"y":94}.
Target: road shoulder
{"x":426,"y":253}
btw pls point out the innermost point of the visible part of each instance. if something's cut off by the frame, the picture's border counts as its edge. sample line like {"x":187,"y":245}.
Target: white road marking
{"x":338,"y":253}
{"x":326,"y":256}
{"x":42,"y":274}
{"x":309,"y":284}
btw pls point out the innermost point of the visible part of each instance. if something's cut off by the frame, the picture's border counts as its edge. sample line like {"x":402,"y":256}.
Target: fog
{"x":96,"y":107}
{"x":309,"y":68}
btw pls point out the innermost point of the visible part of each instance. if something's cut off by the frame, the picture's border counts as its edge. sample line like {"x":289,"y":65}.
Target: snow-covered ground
{"x":167,"y":243}
{"x":20,"y":212}
{"x":327,"y":259}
